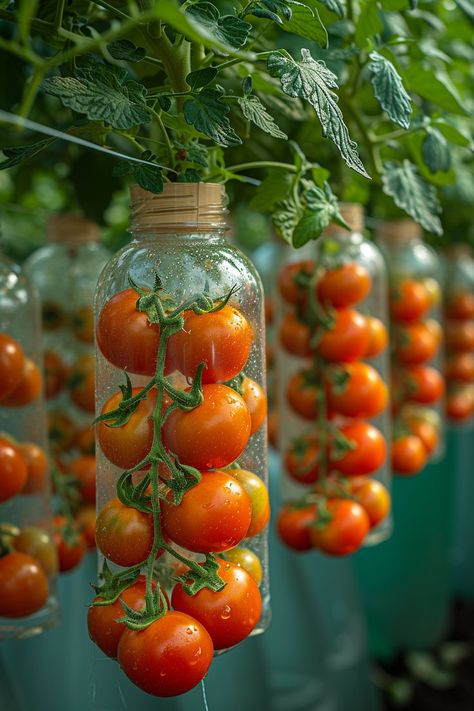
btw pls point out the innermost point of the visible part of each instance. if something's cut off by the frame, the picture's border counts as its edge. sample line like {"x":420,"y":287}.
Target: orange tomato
{"x":344,"y":286}
{"x":256,"y":401}
{"x":29,"y":387}
{"x":408,"y":455}
{"x":378,"y":337}
{"x":410,"y":301}
{"x":347,"y":339}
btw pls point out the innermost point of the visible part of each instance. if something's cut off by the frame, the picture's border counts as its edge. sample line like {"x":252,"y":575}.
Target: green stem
{"x":113,"y":10}
{"x":261,"y":164}
{"x":166,"y":138}
{"x":31,"y":91}
{"x":22,"y":52}
{"x":394,"y":135}
{"x":58,"y":17}
{"x":40,"y":25}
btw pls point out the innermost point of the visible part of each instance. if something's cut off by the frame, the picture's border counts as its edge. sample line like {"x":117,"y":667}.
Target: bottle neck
{"x":186,"y":235}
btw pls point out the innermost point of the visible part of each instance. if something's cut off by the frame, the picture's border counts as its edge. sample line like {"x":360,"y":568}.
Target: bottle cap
{"x":399,"y":231}
{"x":70,"y":228}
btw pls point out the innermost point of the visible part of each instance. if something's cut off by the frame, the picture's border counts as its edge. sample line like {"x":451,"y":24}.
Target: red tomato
{"x":410,"y":301}
{"x":29,"y":387}
{"x":12,"y":361}
{"x":127,"y":445}
{"x":423,"y":384}
{"x":294,"y":523}
{"x":460,"y":335}
{"x":415,"y":343}
{"x":13,"y":471}
{"x":302,"y":392}
{"x":347,"y":339}
{"x":295,"y":336}
{"x":23,"y":585}
{"x":246,"y":559}
{"x":344,"y":286}
{"x":460,"y":366}
{"x":460,"y":305}
{"x":346,"y":530}
{"x":124,"y":534}
{"x":373,"y":497}
{"x":408,"y":455}
{"x":369,"y":451}
{"x":37,"y":467}
{"x":222,"y":340}
{"x":125,"y":336}
{"x":82,"y":382}
{"x":212,"y":517}
{"x":86,"y":521}
{"x":256,"y":401}
{"x":228,"y":615}
{"x":83,"y":324}
{"x":302,"y":459}
{"x":70,"y":552}
{"x":169,"y":657}
{"x":378,"y":337}
{"x":427,"y":432}
{"x":257,"y":492}
{"x":55,"y":374}
{"x":291,"y":281}
{"x":212,"y":435}
{"x":357,"y":390}
{"x":83,"y":469}
{"x":459,"y":405}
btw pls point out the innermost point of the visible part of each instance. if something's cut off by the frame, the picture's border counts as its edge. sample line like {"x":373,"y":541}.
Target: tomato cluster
{"x":417,"y":385}
{"x":157,"y":443}
{"x":459,"y":365}
{"x":334,"y":389}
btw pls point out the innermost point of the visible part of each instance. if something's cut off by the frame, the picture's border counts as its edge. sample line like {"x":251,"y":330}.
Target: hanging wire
{"x":204,"y":695}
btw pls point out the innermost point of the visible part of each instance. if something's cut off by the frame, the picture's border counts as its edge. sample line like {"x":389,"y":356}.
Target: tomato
{"x":13,"y":471}
{"x":291,"y":280}
{"x":12,"y":361}
{"x":82,"y":382}
{"x":344,"y":286}
{"x":373,"y":497}
{"x":303,"y":393}
{"x":29,"y":387}
{"x":257,"y":492}
{"x":295,"y":336}
{"x":273,"y":428}
{"x":415,"y":343}
{"x":212,"y":435}
{"x":434,"y":291}
{"x":460,"y":305}
{"x":434,"y":327}
{"x":347,"y":339}
{"x":55,"y":374}
{"x":169,"y":657}
{"x":228,"y":615}
{"x":346,"y":530}
{"x":369,"y":451}
{"x":293,"y":525}
{"x":357,"y":390}
{"x":423,"y":384}
{"x":125,"y":336}
{"x":52,"y":316}
{"x":71,"y":549}
{"x":84,"y":471}
{"x":86,"y":521}
{"x":256,"y":401}
{"x":124,"y":534}
{"x":83,"y":324}
{"x":410,"y":301}
{"x":84,"y":440}
{"x":302,"y":459}
{"x":460,"y":335}
{"x":427,"y":432}
{"x":23,"y":585}
{"x":61,"y":430}
{"x":459,"y":405}
{"x":104,"y":630}
{"x":212,"y":517}
{"x":221,"y":340}
{"x":246,"y":559}
{"x":460,"y":366}
{"x":37,"y":543}
{"x":37,"y":467}
{"x":378,"y":337}
{"x":408,"y":455}
{"x":127,"y":445}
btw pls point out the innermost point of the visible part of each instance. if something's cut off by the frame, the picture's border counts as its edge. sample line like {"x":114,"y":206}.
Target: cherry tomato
{"x":212,"y":517}
{"x":460,"y":305}
{"x":12,"y":361}
{"x":460,"y":335}
{"x":295,"y":336}
{"x":410,"y":301}
{"x":70,"y":545}
{"x":257,"y":492}
{"x":221,"y":340}
{"x":357,"y":390}
{"x":86,"y":521}
{"x":37,"y":467}
{"x":273,"y":428}
{"x":212,"y":435}
{"x":435,"y":329}
{"x":125,"y":336}
{"x":294,"y":524}
{"x":84,"y":440}
{"x":29,"y":387}
{"x":460,"y":366}
{"x":169,"y":657}
{"x":427,"y":432}
{"x":37,"y":543}
{"x":256,"y":401}
{"x":82,"y":382}
{"x":415,"y":343}
{"x":302,"y":459}
{"x":347,"y":339}
{"x":378,"y":337}
{"x":127,"y":445}
{"x":83,"y":470}
{"x":61,"y":430}
{"x":460,"y":405}
{"x":423,"y":384}
{"x":373,"y":497}
{"x":52,"y":316}
{"x":302,"y":393}
{"x":23,"y":585}
{"x":83,"y":324}
{"x":13,"y":471}
{"x":344,"y":286}
{"x":368,"y":453}
{"x":124,"y":534}
{"x":346,"y":530}
{"x":55,"y":374}
{"x":291,"y":281}
{"x":246,"y":559}
{"x":228,"y":615}
{"x":408,"y":455}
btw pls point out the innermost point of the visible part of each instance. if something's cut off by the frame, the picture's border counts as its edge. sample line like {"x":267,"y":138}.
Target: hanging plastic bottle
{"x":28,"y":562}
{"x":333,"y":396}
{"x":182,"y":453}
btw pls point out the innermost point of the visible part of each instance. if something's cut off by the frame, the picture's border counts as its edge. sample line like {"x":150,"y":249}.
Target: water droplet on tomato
{"x":226,"y":612}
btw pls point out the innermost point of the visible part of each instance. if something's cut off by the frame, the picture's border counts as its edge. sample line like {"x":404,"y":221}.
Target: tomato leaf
{"x":313,"y":81}
{"x":322,"y":208}
{"x":435,"y":86}
{"x":194,"y":153}
{"x":270,"y":10}
{"x":306,"y":22}
{"x":335,"y":6}
{"x":403,"y":183}
{"x":460,"y":137}
{"x":369,"y":22}
{"x":149,"y":177}
{"x":285,"y":217}
{"x":17,"y":154}
{"x":255,"y":112}
{"x":274,"y":188}
{"x":436,"y":152}
{"x":227,"y":29}
{"x":389,"y":90}
{"x":208,"y":114}
{"x":125,"y":50}
{"x":201,"y":77}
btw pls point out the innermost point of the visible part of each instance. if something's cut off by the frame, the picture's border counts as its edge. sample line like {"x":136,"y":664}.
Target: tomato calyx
{"x":341,"y":445}
{"x":111,"y":586}
{"x":8,"y":532}
{"x":202,"y":575}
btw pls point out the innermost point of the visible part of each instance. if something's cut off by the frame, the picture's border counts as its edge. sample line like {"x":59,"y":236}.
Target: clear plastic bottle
{"x":28,"y":562}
